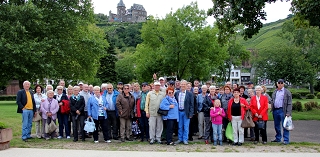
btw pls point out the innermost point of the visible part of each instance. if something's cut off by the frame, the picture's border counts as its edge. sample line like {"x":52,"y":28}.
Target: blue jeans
{"x":278,"y":116}
{"x":217,"y":129}
{"x":27,"y":116}
{"x":63,"y":123}
{"x":184,"y":122}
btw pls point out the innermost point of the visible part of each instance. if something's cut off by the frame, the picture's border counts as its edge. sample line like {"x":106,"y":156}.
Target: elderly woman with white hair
{"x":259,"y":108}
{"x":97,"y":106}
{"x":201,"y":97}
{"x":207,"y":104}
{"x":77,"y":105}
{"x":49,"y":108}
{"x":48,"y":87}
{"x":62,"y":116}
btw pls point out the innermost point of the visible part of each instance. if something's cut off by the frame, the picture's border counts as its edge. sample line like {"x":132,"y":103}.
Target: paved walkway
{"x":29,"y":152}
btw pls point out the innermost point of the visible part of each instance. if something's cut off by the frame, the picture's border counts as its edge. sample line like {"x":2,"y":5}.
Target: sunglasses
{"x":109,"y":88}
{"x":280,"y":82}
{"x":170,"y":92}
{"x":126,"y":88}
{"x":59,"y":89}
{"x":144,"y":86}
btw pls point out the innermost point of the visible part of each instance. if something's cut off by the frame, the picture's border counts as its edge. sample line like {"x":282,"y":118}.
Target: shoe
{"x":252,"y":139}
{"x":122,"y":139}
{"x":239,"y":144}
{"x":255,"y":142}
{"x":25,"y":140}
{"x":39,"y":137}
{"x":159,"y":141}
{"x":264,"y":142}
{"x":96,"y":141}
{"x":199,"y":138}
{"x":285,"y":143}
{"x":275,"y":140}
{"x":107,"y":141}
{"x":177,"y":142}
{"x":185,"y":142}
{"x":59,"y":137}
{"x":116,"y":138}
{"x":220,"y":143}
{"x":68,"y":137}
{"x":206,"y":142}
{"x":215,"y":143}
{"x":75,"y":140}
{"x":47,"y":138}
{"x":30,"y":138}
{"x":151,"y":141}
{"x":235,"y":143}
{"x":129,"y":139}
{"x":171,"y":143}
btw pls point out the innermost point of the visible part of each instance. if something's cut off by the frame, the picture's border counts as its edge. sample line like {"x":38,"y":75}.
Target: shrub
{"x":270,"y":93}
{"x":297,"y":106}
{"x":304,"y":93}
{"x":318,"y":95}
{"x":310,"y":96}
{"x":314,"y":105}
{"x":2,"y":125}
{"x":296,"y":96}
{"x":308,"y":106}
{"x":8,"y":98}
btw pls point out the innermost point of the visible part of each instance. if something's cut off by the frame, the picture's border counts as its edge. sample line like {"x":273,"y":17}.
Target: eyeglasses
{"x":109,"y":88}
{"x":144,"y":86}
{"x":280,"y":82}
{"x":126,"y":88}
{"x":170,"y":92}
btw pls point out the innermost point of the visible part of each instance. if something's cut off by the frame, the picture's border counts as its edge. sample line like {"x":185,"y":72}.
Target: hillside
{"x":267,"y":36}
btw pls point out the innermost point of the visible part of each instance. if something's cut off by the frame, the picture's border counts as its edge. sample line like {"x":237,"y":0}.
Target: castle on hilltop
{"x":136,"y":13}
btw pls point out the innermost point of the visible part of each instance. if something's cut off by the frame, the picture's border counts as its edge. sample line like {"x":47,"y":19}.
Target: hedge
{"x":310,"y":96}
{"x":8,"y":98}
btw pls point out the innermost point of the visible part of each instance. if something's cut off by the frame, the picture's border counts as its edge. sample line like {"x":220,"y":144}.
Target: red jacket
{"x":243,"y":109}
{"x":263,"y":111}
{"x":138,"y":111}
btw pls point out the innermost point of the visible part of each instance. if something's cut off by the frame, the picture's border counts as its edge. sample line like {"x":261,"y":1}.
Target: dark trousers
{"x":193,"y":126}
{"x":63,"y":124}
{"x":262,"y":131}
{"x":144,"y":126}
{"x":170,"y":127}
{"x":225,"y":122}
{"x":75,"y":123}
{"x":112,"y":124}
{"x":104,"y":126}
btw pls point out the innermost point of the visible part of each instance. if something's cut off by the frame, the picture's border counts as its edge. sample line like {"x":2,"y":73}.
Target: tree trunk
{"x":311,"y":86}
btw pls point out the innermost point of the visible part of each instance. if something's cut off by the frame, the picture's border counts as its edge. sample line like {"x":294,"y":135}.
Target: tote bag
{"x":229,"y":131}
{"x":50,"y":126}
{"x":89,"y":125}
{"x":247,"y":122}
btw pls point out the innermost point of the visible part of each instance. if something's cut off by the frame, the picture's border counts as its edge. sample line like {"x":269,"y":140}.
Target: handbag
{"x":260,"y":124}
{"x":89,"y":125}
{"x":50,"y":126}
{"x":37,"y":117}
{"x":163,"y":112}
{"x":247,"y":122}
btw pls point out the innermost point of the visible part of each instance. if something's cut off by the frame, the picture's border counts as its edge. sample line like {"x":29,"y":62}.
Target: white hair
{"x":50,"y":91}
{"x":109,"y":84}
{"x":96,"y":87}
{"x":103,"y":85}
{"x":204,"y":86}
{"x":26,"y":82}
{"x":76,"y":87}
{"x":49,"y":86}
{"x":59,"y":87}
{"x":183,"y":81}
{"x":258,"y":87}
{"x":212,"y":87}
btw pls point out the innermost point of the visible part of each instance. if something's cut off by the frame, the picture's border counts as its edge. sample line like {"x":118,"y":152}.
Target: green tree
{"x":180,"y":44}
{"x":125,"y":67}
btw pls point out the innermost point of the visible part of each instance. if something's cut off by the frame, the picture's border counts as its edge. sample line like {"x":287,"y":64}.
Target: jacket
{"x":125,"y":105}
{"x":188,"y":103}
{"x":173,"y":113}
{"x":22,"y":101}
{"x":215,"y":117}
{"x":195,"y":104}
{"x":77,"y":105}
{"x":243,"y":109}
{"x":114,"y":100}
{"x":93,"y":107}
{"x":54,"y":107}
{"x":225,"y":100}
{"x":207,"y":104}
{"x":200,"y":99}
{"x":263,"y":111}
{"x":137,"y":108}
{"x":153,"y":101}
{"x":63,"y":97}
{"x":287,"y":101}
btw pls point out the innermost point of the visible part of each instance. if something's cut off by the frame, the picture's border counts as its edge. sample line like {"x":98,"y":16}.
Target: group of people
{"x":160,"y":110}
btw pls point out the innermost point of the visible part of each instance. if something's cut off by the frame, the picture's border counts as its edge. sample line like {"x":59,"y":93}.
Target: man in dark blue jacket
{"x":26,"y":106}
{"x":185,"y":100}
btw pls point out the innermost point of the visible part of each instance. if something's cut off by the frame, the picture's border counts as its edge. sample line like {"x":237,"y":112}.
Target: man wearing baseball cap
{"x":281,"y":107}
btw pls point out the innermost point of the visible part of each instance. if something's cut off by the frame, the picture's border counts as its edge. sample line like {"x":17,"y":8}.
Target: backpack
{"x":65,"y":107}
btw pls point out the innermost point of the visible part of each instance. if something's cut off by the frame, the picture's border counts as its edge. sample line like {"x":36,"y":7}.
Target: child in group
{"x":217,"y":113}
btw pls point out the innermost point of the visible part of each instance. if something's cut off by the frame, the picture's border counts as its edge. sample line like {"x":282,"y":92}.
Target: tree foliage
{"x":178,"y":45}
{"x":49,"y":39}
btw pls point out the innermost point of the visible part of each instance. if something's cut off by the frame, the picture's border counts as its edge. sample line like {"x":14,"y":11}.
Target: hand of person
{"x":219,"y":112}
{"x":211,"y":108}
{"x":120,"y":112}
{"x":154,"y":76}
{"x":60,"y":103}
{"x":171,"y":106}
{"x":288,"y":115}
{"x":34,"y":115}
{"x":259,"y":116}
{"x":190,"y":117}
{"x":242,"y":105}
{"x":105,"y":108}
{"x":135,"y":115}
{"x":148,"y":115}
{"x":42,"y":100}
{"x":78,"y":112}
{"x":89,"y":116}
{"x":256,"y":115}
{"x":49,"y":114}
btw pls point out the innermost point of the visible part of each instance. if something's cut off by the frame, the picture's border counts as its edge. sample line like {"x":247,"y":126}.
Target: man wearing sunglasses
{"x":281,"y":107}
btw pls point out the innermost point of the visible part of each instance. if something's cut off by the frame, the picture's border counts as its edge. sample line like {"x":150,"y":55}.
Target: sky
{"x":160,"y":8}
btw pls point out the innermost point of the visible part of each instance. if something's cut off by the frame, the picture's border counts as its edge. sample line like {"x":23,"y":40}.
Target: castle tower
{"x":121,"y":11}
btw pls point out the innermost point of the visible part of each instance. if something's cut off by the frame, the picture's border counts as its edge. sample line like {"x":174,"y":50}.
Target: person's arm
{"x":165,"y":104}
{"x":89,"y":106}
{"x":289,"y":104}
{"x":213,"y":114}
{"x":82,"y":104}
{"x":265,"y":108}
{"x":118,"y":103}
{"x":205,"y":105}
{"x":56,"y":106}
{"x":42,"y":109}
{"x":199,"y":104}
{"x":191,"y":107}
{"x":147,"y":103}
{"x":223,"y":114}
{"x":33,"y":104}
{"x":72,"y":105}
{"x":253,"y":103}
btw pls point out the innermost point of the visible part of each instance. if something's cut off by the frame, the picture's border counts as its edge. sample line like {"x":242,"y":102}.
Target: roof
{"x":138,"y":7}
{"x":121,"y":4}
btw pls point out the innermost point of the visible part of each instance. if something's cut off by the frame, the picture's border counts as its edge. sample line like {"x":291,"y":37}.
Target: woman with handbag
{"x":49,"y":108}
{"x":38,"y":98}
{"x":97,"y":106}
{"x":170,"y":104}
{"x":259,"y":108}
{"x":237,"y":107}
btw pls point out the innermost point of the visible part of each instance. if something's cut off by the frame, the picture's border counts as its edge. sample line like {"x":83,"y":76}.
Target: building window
{"x":232,"y":74}
{"x":237,"y":74}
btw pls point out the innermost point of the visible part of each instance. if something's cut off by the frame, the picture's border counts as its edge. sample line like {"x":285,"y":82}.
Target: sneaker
{"x":206,"y":141}
{"x":185,"y":142}
{"x":96,"y":141}
{"x":122,"y":139}
{"x":129,"y":139}
{"x":239,"y":144}
{"x":68,"y":137}
{"x":59,"y":137}
{"x":38,"y":136}
{"x":151,"y":141}
{"x":275,"y":140}
{"x":107,"y":141}
{"x":177,"y":142}
{"x":47,"y":138}
{"x":264,"y":142}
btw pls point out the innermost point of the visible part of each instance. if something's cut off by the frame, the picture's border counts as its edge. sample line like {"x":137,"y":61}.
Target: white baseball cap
{"x":161,"y":78}
{"x":157,"y":83}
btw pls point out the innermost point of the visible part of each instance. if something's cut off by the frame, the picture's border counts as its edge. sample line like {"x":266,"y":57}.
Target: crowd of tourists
{"x":164,"y":112}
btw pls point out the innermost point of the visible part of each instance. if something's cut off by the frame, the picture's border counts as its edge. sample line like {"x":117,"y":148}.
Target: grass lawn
{"x":9,"y":116}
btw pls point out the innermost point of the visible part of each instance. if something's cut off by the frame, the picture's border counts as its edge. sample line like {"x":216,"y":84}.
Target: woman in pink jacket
{"x":49,"y":108}
{"x":217,"y":113}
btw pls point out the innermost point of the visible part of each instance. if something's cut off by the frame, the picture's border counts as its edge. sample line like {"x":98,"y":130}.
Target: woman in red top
{"x":237,"y":107}
{"x":259,"y":108}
